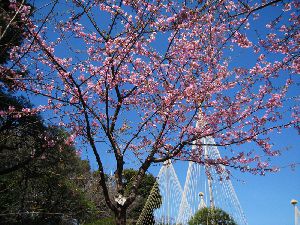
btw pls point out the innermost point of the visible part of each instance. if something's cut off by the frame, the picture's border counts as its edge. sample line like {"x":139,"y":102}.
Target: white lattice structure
{"x":179,"y":205}
{"x":170,"y":192}
{"x":217,"y":190}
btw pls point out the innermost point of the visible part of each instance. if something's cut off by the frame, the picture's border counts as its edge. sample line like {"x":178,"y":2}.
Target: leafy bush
{"x":211,"y":216}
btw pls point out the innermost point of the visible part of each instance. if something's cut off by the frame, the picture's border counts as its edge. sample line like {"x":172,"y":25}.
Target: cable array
{"x":169,"y":204}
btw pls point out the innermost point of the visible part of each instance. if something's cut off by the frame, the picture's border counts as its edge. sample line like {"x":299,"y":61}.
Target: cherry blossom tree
{"x":137,"y":76}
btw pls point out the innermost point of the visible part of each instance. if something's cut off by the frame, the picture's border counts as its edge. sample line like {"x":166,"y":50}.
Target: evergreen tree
{"x":41,"y":176}
{"x":211,"y":216}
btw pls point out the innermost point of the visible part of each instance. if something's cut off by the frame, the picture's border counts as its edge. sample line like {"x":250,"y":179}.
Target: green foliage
{"x":105,"y":216}
{"x":42,"y":178}
{"x":211,"y":216}
{"x":147,"y":217}
{"x":48,"y":187}
{"x":143,"y":192}
{"x":21,"y":138}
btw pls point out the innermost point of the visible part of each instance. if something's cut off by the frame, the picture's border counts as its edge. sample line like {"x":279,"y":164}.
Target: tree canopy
{"x":40,"y":173}
{"x":211,"y":216}
{"x":148,"y":183}
{"x":21,"y":138}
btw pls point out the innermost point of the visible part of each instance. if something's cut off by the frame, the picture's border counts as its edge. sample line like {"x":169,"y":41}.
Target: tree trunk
{"x":121,"y":217}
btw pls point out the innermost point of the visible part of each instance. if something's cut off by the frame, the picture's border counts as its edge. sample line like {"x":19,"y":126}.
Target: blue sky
{"x":266,"y":199}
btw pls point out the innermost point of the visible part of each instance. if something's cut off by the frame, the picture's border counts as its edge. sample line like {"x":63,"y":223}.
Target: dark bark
{"x":120,"y":216}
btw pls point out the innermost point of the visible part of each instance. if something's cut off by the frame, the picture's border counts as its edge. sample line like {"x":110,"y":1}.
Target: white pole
{"x":209,"y":181}
{"x":296,"y":219}
{"x":294,"y":203}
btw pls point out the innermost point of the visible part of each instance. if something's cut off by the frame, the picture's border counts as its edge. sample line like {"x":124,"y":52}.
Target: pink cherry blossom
{"x":139,"y":75}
